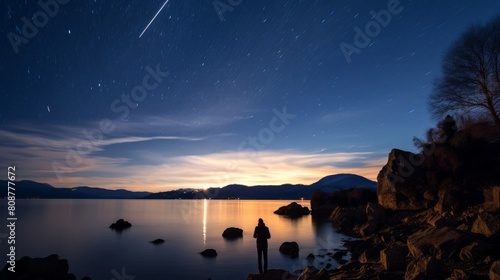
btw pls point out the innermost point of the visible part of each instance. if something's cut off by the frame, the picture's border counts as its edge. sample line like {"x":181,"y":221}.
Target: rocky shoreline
{"x":420,"y":224}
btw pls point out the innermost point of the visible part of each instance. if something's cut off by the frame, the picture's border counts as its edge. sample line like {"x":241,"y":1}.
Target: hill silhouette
{"x":32,"y":189}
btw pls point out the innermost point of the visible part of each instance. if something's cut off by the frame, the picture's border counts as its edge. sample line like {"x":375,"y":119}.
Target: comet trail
{"x":153,"y":18}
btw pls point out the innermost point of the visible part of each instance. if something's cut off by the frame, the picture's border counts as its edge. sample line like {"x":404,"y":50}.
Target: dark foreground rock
{"x":293,"y":210}
{"x":232,"y":233}
{"x":272,"y":274}
{"x":120,"y":225}
{"x":49,"y":268}
{"x":290,"y":248}
{"x":209,"y":253}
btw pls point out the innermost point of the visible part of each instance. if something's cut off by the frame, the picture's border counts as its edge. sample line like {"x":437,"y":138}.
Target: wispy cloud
{"x":223,"y":168}
{"x":34,"y":149}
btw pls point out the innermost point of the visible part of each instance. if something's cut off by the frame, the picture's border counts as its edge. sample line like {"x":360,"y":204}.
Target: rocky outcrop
{"x":290,"y":249}
{"x":209,"y":253}
{"x":49,"y":268}
{"x":399,"y":184}
{"x":443,"y":243}
{"x":293,"y":210}
{"x":120,"y":225}
{"x":232,"y":233}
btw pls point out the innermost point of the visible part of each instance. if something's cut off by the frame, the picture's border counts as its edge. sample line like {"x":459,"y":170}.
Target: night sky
{"x":258,"y":92}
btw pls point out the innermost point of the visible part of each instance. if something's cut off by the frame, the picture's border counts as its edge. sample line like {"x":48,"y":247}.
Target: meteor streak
{"x":153,"y":18}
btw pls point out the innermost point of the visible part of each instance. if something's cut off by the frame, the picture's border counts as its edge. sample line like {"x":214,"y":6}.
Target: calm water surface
{"x":78,"y":230}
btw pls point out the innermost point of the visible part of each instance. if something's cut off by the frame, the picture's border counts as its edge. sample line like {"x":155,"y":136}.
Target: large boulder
{"x":293,"y":210}
{"x":441,"y":243}
{"x":232,"y":233}
{"x":486,"y":224}
{"x":49,"y":268}
{"x":209,"y":253}
{"x":290,"y":248}
{"x":423,"y":268}
{"x":400,"y":184}
{"x":393,"y":258}
{"x":120,"y":225}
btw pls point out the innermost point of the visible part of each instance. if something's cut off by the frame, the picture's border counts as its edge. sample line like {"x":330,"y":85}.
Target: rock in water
{"x":290,"y":248}
{"x":310,"y":257}
{"x":232,"y":233}
{"x":157,"y":241}
{"x":293,"y":210}
{"x":120,"y":225}
{"x":209,"y":253}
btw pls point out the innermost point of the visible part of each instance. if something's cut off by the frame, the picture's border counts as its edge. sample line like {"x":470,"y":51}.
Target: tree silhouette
{"x":471,"y":74}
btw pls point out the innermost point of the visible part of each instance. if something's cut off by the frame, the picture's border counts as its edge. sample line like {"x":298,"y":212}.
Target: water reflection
{"x":205,"y":205}
{"x":78,"y":230}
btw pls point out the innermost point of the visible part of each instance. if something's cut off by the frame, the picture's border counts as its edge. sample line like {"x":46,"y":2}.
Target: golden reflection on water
{"x":205,"y":205}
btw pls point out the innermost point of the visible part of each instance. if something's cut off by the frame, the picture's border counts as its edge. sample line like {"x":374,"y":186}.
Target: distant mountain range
{"x":31,"y":189}
{"x":287,"y":191}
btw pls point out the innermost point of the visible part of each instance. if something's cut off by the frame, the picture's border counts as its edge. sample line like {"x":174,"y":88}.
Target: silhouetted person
{"x":262,"y":234}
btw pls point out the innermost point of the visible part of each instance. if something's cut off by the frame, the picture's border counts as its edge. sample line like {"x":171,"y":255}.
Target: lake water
{"x":77,"y":230}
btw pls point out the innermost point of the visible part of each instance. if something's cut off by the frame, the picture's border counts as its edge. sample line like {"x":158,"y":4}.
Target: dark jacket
{"x":262,"y":234}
